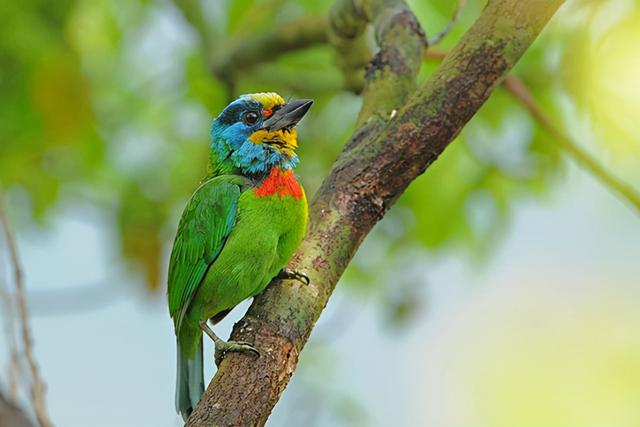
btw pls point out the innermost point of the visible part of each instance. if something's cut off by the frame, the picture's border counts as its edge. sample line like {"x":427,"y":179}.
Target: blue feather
{"x":230,"y":140}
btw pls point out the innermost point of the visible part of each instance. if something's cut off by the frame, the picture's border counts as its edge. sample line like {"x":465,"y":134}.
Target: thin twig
{"x":14,"y":372}
{"x":10,"y":333}
{"x":519,"y":90}
{"x":454,"y":19}
{"x":37,"y":385}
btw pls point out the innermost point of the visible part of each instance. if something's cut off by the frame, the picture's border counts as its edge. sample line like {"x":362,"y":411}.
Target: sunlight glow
{"x":612,"y":85}
{"x":538,"y":354}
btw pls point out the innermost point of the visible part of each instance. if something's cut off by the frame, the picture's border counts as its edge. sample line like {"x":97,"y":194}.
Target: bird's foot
{"x":294,"y":275}
{"x":224,"y":347}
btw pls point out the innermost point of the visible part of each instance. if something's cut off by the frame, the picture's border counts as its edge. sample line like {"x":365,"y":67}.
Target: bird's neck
{"x":281,"y":182}
{"x":221,"y":165}
{"x":249,"y":159}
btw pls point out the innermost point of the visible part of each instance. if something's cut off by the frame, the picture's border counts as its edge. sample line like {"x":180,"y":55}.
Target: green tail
{"x":189,"y":381}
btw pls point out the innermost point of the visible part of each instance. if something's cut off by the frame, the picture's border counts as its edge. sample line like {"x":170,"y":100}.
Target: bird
{"x":238,"y":230}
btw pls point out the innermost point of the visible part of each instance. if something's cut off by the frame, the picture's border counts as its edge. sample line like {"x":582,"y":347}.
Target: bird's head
{"x":256,"y":132}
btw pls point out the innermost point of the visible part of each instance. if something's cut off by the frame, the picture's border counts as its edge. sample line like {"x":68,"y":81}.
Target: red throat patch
{"x":280,"y":182}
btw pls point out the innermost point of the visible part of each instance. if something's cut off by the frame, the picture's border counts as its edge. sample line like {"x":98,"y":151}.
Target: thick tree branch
{"x":348,"y":21}
{"x":373,"y":170}
{"x":346,"y":34}
{"x":391,"y":75}
{"x":247,"y":52}
{"x":227,"y":61}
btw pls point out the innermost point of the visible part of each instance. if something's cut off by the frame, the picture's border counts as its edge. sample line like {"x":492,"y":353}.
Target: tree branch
{"x":37,"y":384}
{"x":256,"y":49}
{"x":228,"y":61}
{"x":456,"y":15}
{"x":12,"y":345}
{"x":373,"y":170}
{"x":348,"y":21}
{"x":520,"y":91}
{"x":391,"y":75}
{"x":346,"y":34}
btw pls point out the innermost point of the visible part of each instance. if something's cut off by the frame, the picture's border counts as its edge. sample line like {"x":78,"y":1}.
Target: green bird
{"x":238,"y":230}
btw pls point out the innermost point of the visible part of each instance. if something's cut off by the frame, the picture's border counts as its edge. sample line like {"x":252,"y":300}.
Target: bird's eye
{"x":250,"y":118}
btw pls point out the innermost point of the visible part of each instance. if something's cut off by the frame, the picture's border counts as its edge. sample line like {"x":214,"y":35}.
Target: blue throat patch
{"x":230,"y":140}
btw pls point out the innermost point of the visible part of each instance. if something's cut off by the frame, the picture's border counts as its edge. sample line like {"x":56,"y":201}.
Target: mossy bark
{"x":377,"y":164}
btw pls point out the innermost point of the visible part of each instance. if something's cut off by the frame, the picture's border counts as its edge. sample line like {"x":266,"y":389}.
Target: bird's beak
{"x":288,"y":115}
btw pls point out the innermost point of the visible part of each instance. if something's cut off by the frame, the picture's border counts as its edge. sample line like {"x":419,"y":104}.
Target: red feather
{"x":280,"y":182}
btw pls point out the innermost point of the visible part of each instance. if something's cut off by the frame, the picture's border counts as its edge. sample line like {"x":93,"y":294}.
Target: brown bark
{"x":375,"y":167}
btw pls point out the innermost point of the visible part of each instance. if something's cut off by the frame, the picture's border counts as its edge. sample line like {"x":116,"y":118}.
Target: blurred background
{"x":501,"y":290}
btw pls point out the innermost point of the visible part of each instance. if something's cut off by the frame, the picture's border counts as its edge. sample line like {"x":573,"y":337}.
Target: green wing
{"x":205,"y":224}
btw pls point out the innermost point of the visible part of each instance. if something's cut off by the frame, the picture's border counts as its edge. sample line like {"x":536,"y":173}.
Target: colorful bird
{"x":238,"y":230}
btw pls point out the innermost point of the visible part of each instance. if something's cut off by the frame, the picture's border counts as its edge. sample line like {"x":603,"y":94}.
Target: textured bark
{"x":375,"y":167}
{"x":390,"y":77}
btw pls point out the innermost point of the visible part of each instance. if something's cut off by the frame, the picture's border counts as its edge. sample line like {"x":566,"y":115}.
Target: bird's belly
{"x":267,"y":232}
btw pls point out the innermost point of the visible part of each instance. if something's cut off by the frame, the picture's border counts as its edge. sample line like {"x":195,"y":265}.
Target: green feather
{"x":230,"y":244}
{"x":235,"y":234}
{"x":205,"y":224}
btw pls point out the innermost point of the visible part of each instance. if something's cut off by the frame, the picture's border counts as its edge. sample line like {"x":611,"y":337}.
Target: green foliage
{"x":110,"y":103}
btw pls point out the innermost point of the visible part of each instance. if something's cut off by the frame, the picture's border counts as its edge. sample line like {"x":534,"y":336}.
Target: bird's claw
{"x":294,"y":275}
{"x":224,"y":347}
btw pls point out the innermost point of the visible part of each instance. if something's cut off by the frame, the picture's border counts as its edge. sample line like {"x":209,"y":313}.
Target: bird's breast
{"x":282,"y":183}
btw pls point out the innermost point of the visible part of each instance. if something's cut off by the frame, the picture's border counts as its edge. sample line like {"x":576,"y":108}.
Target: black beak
{"x":288,"y":115}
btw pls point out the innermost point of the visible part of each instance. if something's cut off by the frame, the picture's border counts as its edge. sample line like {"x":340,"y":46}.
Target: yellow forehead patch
{"x":267,"y":99}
